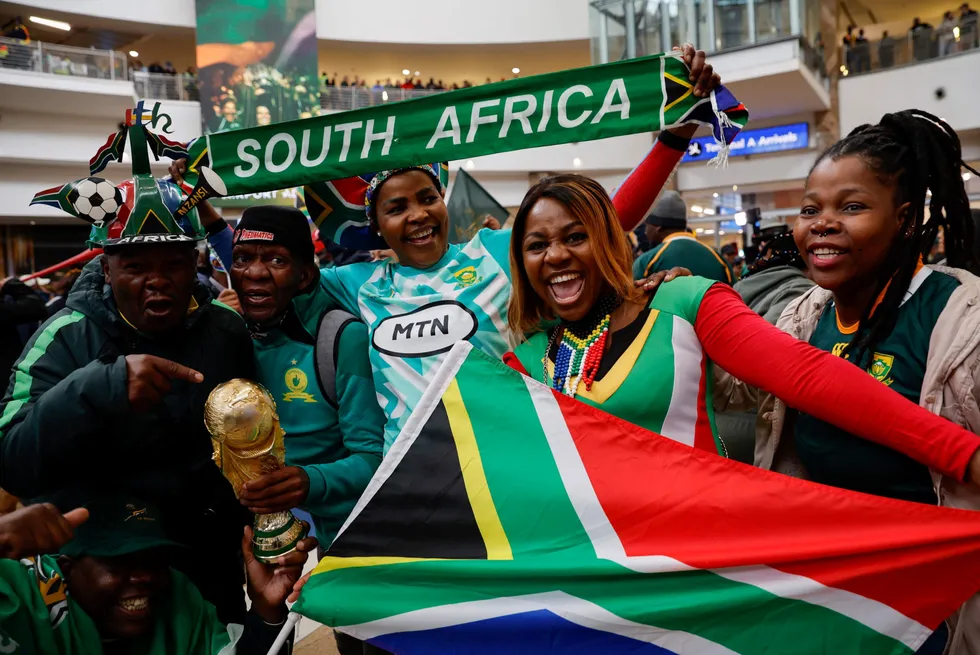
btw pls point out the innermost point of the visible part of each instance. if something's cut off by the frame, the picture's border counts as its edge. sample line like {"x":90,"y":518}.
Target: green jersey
{"x":683,"y":249}
{"x":663,"y":380}
{"x":837,"y":458}
{"x":38,"y":615}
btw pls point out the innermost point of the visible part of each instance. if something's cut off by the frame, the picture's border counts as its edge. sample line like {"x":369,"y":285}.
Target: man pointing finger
{"x":109,"y":395}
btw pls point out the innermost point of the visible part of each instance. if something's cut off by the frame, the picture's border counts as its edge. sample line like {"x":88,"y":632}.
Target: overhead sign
{"x":753,"y":142}
{"x":282,"y":197}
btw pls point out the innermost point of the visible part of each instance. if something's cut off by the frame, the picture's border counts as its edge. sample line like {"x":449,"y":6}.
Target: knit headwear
{"x":384,"y":176}
{"x":670,"y":211}
{"x":272,"y":224}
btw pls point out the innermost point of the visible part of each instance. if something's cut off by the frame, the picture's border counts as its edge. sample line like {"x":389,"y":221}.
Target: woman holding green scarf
{"x":439,"y":293}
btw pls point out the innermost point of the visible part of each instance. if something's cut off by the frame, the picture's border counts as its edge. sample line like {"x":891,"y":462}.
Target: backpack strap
{"x":326,"y":349}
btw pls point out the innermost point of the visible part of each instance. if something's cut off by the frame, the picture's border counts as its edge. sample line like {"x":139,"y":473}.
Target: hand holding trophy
{"x":248,"y":443}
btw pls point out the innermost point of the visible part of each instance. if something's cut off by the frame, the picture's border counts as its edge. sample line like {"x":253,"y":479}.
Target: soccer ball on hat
{"x":96,"y":199}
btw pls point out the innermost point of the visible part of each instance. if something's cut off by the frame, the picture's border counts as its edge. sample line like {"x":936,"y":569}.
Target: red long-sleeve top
{"x":639,"y":190}
{"x":826,"y":387}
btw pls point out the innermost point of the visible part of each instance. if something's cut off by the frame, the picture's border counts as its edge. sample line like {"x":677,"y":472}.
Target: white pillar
{"x":629,"y":22}
{"x":603,"y":38}
{"x":751,"y":9}
{"x":795,"y":22}
{"x":692,"y":25}
{"x":708,"y":6}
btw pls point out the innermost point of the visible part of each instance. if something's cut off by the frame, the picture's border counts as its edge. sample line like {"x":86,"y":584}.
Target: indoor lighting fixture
{"x":721,"y":233}
{"x":734,"y":187}
{"x":708,"y":211}
{"x":966,"y":177}
{"x":741,"y":218}
{"x":714,"y":195}
{"x":515,"y":70}
{"x":741,"y":231}
{"x":697,"y":209}
{"x":577,"y":163}
{"x":699,"y":230}
{"x":470,"y":164}
{"x":133,"y":53}
{"x":405,"y":71}
{"x":47,"y":22}
{"x":417,"y":73}
{"x":709,"y":231}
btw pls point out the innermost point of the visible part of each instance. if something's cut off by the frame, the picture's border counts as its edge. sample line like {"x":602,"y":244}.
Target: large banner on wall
{"x":257,"y":62}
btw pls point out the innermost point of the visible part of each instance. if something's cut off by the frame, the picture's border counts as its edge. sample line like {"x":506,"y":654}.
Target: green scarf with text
{"x":597,"y":102}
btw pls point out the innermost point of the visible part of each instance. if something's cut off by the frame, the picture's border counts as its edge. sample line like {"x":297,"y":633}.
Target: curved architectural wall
{"x":381,"y":21}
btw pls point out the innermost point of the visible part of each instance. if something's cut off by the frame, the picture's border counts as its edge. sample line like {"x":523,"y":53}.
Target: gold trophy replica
{"x":248,"y":443}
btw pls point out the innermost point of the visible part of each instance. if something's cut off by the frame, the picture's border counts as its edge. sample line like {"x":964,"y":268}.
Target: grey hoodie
{"x":768,"y":292}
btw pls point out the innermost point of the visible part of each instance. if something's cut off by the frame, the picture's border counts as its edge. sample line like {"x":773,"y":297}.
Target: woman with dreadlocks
{"x":863,"y":232}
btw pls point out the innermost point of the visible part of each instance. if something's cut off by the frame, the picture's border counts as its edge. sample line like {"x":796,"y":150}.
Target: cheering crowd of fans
{"x":819,"y":334}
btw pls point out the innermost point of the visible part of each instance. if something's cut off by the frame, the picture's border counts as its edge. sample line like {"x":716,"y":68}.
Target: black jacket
{"x":18,"y":305}
{"x":65,"y":422}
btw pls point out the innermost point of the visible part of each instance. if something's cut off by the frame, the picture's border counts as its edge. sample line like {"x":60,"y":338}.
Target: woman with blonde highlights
{"x":648,"y":358}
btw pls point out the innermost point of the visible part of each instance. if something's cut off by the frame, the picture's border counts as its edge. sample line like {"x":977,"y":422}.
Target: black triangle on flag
{"x":422,"y":509}
{"x":675,"y":89}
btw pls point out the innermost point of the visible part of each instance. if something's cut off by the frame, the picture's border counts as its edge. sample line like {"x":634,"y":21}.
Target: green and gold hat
{"x":140,"y":210}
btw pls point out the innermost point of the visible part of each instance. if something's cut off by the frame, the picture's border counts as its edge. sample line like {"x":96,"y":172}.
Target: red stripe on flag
{"x":351,"y":190}
{"x":664,"y":498}
{"x":704,"y":439}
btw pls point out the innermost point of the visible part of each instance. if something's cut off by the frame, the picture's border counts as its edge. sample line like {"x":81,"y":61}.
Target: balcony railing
{"x":923,"y":44}
{"x":43,"y":57}
{"x":345,"y":98}
{"x":161,"y":86}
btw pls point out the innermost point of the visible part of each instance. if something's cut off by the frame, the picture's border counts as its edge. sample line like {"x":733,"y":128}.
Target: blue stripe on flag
{"x":530,"y":633}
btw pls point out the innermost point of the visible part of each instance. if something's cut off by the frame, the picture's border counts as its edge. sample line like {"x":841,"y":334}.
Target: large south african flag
{"x":510,"y":519}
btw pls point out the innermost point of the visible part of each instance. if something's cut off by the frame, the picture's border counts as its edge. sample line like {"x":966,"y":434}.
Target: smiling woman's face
{"x":848,"y":223}
{"x":559,"y":260}
{"x":413,"y":218}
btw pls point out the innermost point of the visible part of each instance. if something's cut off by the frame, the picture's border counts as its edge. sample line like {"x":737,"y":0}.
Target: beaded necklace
{"x":580,"y":350}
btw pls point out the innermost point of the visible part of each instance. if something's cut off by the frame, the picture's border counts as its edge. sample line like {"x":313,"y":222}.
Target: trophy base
{"x":276,"y":534}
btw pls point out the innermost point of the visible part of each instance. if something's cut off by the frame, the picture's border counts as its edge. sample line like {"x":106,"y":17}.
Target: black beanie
{"x":286,"y":226}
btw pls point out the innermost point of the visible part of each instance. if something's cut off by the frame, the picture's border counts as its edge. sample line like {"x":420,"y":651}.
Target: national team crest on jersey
{"x":881,"y":367}
{"x":466,"y":277}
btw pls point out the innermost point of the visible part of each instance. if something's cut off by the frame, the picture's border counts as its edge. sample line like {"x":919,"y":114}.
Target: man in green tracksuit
{"x":111,"y":589}
{"x":674,"y":245}
{"x":333,"y":446}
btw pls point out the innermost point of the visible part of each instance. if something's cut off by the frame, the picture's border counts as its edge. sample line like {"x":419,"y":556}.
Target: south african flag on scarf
{"x":511,"y":519}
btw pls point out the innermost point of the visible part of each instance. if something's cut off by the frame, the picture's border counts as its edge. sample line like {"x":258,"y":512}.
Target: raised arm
{"x":827,"y":387}
{"x":634,"y":197}
{"x":636,"y":194}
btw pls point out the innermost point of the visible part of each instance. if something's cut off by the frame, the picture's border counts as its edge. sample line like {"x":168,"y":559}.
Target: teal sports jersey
{"x":414,"y":316}
{"x":837,"y":458}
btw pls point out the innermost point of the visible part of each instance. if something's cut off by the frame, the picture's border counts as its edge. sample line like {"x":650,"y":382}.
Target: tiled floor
{"x":319,"y":642}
